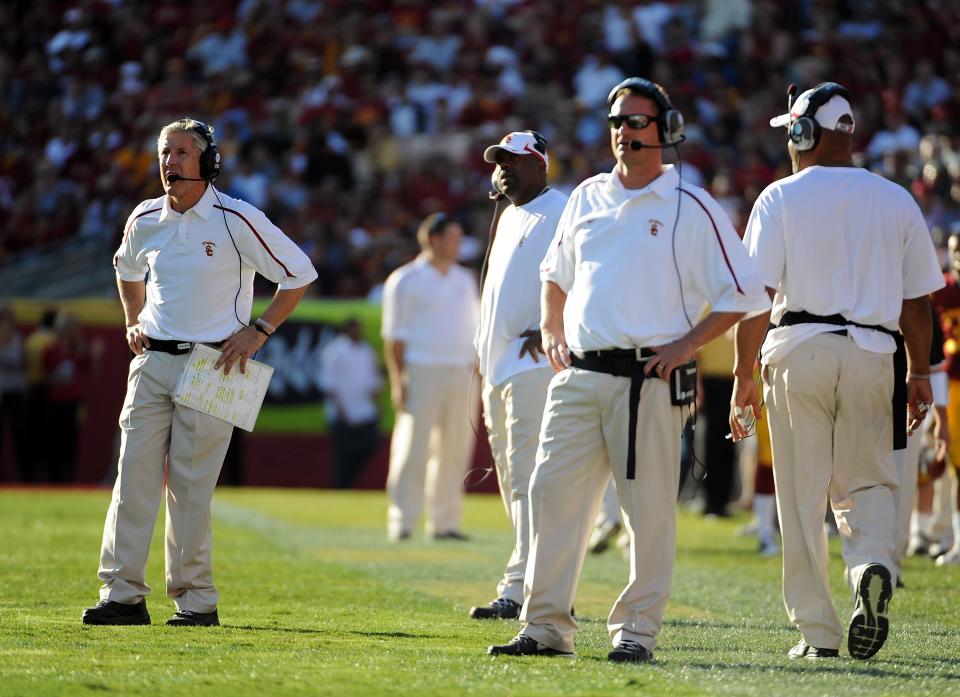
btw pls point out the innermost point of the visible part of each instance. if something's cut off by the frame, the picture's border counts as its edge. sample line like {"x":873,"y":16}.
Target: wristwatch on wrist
{"x":261,"y":329}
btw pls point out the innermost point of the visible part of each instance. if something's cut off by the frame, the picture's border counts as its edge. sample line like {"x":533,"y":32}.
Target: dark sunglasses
{"x":635,"y":121}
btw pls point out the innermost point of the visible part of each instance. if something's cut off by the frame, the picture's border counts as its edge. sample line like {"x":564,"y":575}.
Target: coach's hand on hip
{"x":669,"y":356}
{"x":136,"y":339}
{"x":240,"y":346}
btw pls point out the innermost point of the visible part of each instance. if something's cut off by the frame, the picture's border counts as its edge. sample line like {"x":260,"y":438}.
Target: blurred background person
{"x":35,"y":347}
{"x":13,"y":389}
{"x":430,"y":314}
{"x":350,"y":379}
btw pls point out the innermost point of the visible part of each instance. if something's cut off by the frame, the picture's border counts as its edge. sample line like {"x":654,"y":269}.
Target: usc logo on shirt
{"x":208,"y":247}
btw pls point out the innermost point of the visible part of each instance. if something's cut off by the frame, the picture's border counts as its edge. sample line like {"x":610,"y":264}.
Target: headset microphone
{"x":637,"y":145}
{"x":171,"y":178}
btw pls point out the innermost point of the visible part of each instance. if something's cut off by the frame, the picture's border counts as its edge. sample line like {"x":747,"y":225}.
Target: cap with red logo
{"x":520,"y":143}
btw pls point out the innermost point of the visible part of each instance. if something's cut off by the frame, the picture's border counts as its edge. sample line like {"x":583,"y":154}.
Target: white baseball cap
{"x":828,"y":115}
{"x":519,"y":143}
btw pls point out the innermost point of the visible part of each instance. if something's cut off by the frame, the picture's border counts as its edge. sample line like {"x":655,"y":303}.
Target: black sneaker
{"x":804,"y":650}
{"x":110,"y":612}
{"x":629,"y":651}
{"x":869,"y":624}
{"x":523,"y":645}
{"x":189,"y":618}
{"x":454,"y":535}
{"x":499,"y":609}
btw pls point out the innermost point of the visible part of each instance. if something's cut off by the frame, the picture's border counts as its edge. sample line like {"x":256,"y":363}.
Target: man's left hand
{"x":240,"y":347}
{"x":919,"y":402}
{"x":669,"y":356}
{"x":532,"y":341}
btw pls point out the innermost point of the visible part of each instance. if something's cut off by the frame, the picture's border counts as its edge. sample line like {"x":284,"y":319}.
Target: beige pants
{"x":432,"y":443}
{"x":584,"y":437}
{"x":154,"y":430}
{"x":609,"y":506}
{"x":830,"y":429}
{"x":513,"y":413}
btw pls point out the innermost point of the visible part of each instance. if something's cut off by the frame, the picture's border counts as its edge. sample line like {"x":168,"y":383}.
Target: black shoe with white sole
{"x":189,"y":618}
{"x":499,"y":609}
{"x":628,"y":651}
{"x":804,"y":650}
{"x":869,"y":624}
{"x":523,"y":645}
{"x":110,"y":612}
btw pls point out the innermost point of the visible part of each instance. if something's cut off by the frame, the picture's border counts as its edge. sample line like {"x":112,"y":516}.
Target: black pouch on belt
{"x":683,"y":384}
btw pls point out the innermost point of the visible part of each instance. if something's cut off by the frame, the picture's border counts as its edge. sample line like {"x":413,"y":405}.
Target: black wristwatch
{"x":260,"y":329}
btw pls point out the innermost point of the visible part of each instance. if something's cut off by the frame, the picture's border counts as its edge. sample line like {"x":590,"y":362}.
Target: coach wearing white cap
{"x":515,"y":373}
{"x":429,"y":321}
{"x":637,"y":255}
{"x":185,"y":272}
{"x":848,"y":260}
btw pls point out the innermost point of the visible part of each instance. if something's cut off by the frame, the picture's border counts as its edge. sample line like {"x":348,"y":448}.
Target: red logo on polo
{"x":655,"y":226}
{"x":208,"y":247}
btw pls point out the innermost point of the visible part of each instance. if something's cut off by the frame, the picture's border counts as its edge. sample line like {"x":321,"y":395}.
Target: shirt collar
{"x":203,"y":207}
{"x":663,"y":186}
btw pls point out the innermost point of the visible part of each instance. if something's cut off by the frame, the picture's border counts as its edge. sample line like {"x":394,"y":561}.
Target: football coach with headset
{"x":185,"y":272}
{"x":849,"y":259}
{"x":637,"y":255}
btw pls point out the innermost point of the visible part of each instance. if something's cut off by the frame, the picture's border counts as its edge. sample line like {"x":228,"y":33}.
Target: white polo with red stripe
{"x":613,"y":255}
{"x":193,"y":269}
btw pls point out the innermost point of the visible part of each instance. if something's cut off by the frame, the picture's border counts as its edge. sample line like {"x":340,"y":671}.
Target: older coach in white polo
{"x":185,"y":271}
{"x":429,"y":321}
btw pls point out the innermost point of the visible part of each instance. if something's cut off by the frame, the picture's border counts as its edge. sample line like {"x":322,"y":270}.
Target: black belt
{"x":177,"y":348}
{"x":624,"y":363}
{"x":899,"y":399}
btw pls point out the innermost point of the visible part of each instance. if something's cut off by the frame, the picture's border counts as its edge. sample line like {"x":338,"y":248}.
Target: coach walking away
{"x":515,"y":374}
{"x":636,"y":255}
{"x":185,"y":271}
{"x":848,"y":260}
{"x":429,"y":321}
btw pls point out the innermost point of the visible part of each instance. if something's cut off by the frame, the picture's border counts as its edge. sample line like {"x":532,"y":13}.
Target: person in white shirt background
{"x":514,"y":371}
{"x":350,"y":379}
{"x":847,"y":259}
{"x":185,"y":272}
{"x":636,"y":255}
{"x":430,"y":308}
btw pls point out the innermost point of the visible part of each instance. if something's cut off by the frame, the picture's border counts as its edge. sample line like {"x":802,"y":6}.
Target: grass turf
{"x":315,"y":602}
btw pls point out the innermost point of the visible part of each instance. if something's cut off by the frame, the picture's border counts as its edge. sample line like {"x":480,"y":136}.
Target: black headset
{"x":209,"y":158}
{"x":669,"y":120}
{"x":804,"y":130}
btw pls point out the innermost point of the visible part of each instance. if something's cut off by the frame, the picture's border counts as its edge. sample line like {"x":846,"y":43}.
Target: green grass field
{"x":315,"y":602}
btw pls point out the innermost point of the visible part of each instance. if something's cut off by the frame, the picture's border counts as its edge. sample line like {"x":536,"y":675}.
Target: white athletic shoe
{"x":951,"y":558}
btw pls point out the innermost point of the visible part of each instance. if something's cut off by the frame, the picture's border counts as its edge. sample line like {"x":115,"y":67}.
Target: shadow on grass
{"x":836,"y":666}
{"x":395,"y":635}
{"x":288,"y":630}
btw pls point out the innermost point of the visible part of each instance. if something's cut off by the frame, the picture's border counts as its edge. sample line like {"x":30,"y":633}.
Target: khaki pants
{"x":430,"y":448}
{"x":583,"y":439}
{"x":828,"y":403}
{"x":513,"y":413}
{"x":155,"y":431}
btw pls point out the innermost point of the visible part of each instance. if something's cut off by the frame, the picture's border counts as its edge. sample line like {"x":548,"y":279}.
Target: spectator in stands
{"x":13,"y":389}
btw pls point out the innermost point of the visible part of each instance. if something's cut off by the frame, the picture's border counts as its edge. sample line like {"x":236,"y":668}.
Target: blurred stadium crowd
{"x":347,"y":121}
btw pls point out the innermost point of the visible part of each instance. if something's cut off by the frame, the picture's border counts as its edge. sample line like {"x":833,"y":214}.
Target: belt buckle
{"x":184,"y":346}
{"x":640,"y":357}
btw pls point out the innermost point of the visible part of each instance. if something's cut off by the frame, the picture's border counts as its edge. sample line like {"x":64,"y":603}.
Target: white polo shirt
{"x":840,"y":240}
{"x":350,"y":376}
{"x":434,"y":314}
{"x":510,"y":302}
{"x":613,"y":255}
{"x":193,"y":271}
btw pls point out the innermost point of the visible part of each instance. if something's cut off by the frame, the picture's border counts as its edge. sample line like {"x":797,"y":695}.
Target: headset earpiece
{"x":669,"y":120}
{"x":805,"y":130}
{"x":209,"y":158}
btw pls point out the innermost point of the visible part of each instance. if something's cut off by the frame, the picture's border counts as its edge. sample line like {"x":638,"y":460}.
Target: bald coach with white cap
{"x":515,"y":373}
{"x":848,"y":260}
{"x":636,"y":254}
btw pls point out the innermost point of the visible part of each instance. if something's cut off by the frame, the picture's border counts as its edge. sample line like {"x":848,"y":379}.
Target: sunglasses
{"x":635,"y":121}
